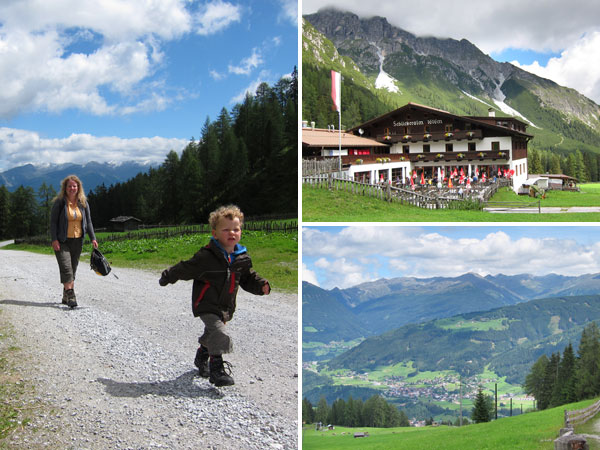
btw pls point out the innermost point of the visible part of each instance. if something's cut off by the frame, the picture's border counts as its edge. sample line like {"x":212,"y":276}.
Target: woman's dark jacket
{"x":216,"y":280}
{"x":59,"y":222}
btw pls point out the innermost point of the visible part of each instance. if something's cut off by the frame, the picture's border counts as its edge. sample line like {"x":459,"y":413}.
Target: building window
{"x":472,"y":146}
{"x":427,"y":129}
{"x":448,"y":128}
{"x":495,"y":146}
{"x":449,"y":147}
{"x":426,"y":148}
{"x":406,"y":149}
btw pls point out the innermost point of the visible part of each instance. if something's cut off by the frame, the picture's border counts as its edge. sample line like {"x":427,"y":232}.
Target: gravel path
{"x":117,"y":372}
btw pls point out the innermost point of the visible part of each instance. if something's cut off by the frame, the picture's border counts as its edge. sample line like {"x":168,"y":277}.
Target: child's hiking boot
{"x":220,"y":372}
{"x":71,"y":299}
{"x":201,"y":362}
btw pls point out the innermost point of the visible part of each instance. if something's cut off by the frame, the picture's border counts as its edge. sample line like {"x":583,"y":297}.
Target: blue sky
{"x":344,"y":256}
{"x":555,"y":39}
{"x":114,"y":80}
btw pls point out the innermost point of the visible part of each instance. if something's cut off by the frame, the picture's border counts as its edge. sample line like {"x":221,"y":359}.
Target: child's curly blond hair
{"x":230,"y":212}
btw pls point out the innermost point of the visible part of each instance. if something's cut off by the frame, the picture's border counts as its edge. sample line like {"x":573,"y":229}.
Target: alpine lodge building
{"x":426,"y":145}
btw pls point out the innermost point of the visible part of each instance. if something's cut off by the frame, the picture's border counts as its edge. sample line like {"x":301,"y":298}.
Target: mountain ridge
{"x":379,"y":306}
{"x":92,"y":174}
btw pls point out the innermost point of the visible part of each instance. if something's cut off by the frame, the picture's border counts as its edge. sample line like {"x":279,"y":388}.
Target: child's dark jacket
{"x":216,"y":281}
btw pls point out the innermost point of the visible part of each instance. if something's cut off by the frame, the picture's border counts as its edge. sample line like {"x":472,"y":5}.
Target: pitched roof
{"x":481,"y":121}
{"x":319,"y":137}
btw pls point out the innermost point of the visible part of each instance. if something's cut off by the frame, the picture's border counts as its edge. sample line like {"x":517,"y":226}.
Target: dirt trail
{"x":117,"y":372}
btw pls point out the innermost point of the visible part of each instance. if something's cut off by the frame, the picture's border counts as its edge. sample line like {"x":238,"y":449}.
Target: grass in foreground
{"x":322,"y":205}
{"x":274,"y":255}
{"x":531,"y":431}
{"x":13,"y":413}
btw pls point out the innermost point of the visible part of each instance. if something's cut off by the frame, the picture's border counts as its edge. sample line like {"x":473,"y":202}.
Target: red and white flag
{"x":336,"y":90}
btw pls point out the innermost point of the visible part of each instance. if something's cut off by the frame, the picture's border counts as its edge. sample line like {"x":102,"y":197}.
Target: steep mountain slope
{"x":443,"y":73}
{"x":320,"y":310}
{"x":509,"y":339}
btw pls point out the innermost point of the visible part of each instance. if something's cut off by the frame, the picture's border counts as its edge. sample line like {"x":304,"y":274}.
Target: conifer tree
{"x":322,"y":412}
{"x":4,"y":212}
{"x":535,"y":378}
{"x":308,"y":414}
{"x":481,"y":411}
{"x":588,"y":363}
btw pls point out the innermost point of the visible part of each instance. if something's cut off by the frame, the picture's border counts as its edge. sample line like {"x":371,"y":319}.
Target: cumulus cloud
{"x":18,"y":147}
{"x":118,"y":48}
{"x":94,"y":56}
{"x":309,"y":275}
{"x":215,"y":16}
{"x":577,"y":66}
{"x":363,"y":253}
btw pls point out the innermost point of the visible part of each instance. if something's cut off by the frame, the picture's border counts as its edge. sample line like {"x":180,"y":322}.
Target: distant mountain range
{"x":380,"y":306}
{"x":507,"y":340}
{"x":395,"y":67}
{"x":92,"y":174}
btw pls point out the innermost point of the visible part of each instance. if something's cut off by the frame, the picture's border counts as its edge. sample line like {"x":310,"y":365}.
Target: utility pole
{"x":496,"y":397}
{"x":460,"y":401}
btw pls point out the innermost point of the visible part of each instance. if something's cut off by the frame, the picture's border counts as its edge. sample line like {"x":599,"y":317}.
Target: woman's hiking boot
{"x":201,"y":362}
{"x":71,"y":299}
{"x":220,"y":372}
{"x":64,"y":299}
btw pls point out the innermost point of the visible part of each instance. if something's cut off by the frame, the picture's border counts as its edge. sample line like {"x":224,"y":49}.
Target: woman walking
{"x":69,"y":221}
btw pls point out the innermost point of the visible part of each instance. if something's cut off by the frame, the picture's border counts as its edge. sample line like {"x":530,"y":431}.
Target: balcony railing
{"x":453,"y":157}
{"x":427,"y":137}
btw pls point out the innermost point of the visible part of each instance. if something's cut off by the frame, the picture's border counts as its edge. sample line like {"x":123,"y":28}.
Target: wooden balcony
{"x":428,"y":137}
{"x":450,"y":157}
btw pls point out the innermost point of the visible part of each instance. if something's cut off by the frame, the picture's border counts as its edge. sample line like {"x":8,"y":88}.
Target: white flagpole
{"x":340,"y":144}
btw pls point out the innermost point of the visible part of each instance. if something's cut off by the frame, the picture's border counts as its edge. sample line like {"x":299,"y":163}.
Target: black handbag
{"x":98,"y":263}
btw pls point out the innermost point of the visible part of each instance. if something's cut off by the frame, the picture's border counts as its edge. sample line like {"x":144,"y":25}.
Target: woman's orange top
{"x":75,"y":219}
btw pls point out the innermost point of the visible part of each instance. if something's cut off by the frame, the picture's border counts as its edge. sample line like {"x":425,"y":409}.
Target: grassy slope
{"x":533,"y":431}
{"x":321,"y":205}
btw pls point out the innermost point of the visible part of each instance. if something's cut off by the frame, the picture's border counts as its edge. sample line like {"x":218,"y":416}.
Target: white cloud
{"x":96,"y":56}
{"x":215,"y":16}
{"x":309,"y":275}
{"x":577,"y":67}
{"x":248,"y":64}
{"x":19,"y":147}
{"x":289,"y":11}
{"x":361,"y":253}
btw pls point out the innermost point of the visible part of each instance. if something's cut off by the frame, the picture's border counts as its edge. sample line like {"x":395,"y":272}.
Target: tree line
{"x":247,"y":156}
{"x":556,"y":380}
{"x":585,"y":166}
{"x":374,"y":412}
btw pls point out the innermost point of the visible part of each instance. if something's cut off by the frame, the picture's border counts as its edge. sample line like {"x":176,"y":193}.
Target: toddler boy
{"x":218,"y":269}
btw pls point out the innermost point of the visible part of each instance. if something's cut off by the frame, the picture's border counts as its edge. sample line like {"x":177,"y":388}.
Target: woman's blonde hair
{"x":230,"y":212}
{"x":80,"y":192}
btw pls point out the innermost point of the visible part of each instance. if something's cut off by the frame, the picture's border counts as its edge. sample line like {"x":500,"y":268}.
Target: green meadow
{"x":274,"y":254}
{"x":531,"y":431}
{"x":323,"y":205}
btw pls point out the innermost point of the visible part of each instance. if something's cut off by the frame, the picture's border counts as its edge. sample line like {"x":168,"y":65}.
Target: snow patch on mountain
{"x":384,"y":80}
{"x":513,"y":112}
{"x":477,"y":98}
